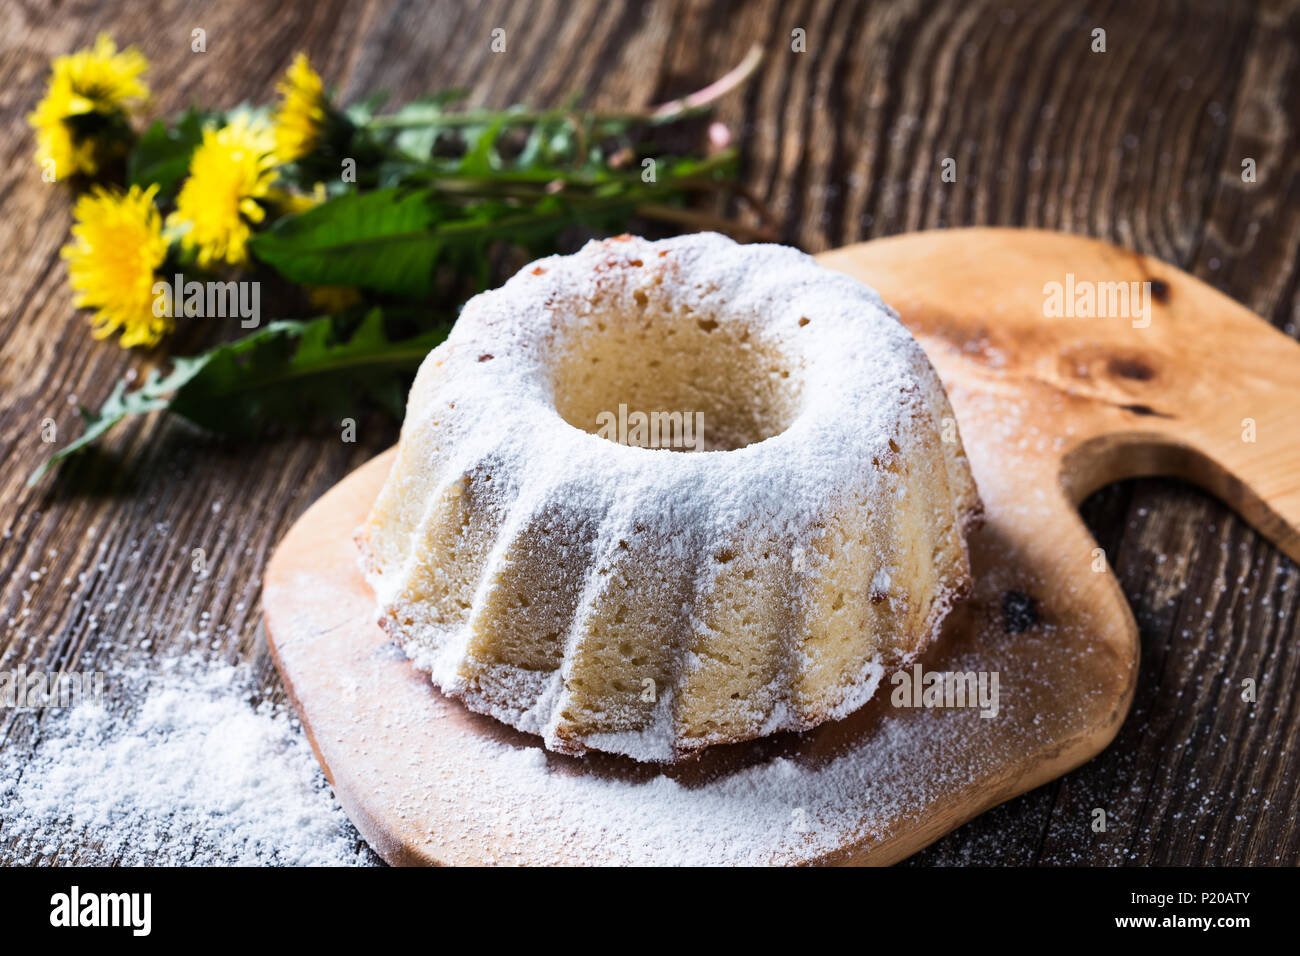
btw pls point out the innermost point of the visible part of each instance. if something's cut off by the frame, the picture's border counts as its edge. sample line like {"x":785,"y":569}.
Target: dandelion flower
{"x":301,"y":115}
{"x":296,"y":203}
{"x":326,"y":298}
{"x":87,"y":88}
{"x":332,"y":298}
{"x":231,"y":170}
{"x":116,"y":249}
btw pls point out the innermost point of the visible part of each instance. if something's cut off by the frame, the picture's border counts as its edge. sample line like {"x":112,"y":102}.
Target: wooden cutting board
{"x":1054,"y":399}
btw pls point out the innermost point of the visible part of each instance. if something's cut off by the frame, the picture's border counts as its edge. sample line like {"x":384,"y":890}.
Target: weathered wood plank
{"x":1140,"y":145}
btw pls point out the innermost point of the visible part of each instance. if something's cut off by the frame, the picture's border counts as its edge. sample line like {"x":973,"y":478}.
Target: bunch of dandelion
{"x":116,"y":249}
{"x":82,"y":118}
{"x":245,"y":172}
{"x":214,"y":190}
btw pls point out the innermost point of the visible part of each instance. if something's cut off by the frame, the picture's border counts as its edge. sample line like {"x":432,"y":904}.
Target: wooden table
{"x":1142,"y":145}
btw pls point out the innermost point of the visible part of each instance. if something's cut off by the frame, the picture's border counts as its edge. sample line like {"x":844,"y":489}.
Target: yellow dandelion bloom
{"x":295,"y":203}
{"x":332,"y":298}
{"x":116,"y":249}
{"x":99,"y":80}
{"x":230,"y":171}
{"x":300,"y":117}
{"x":55,"y":142}
{"x":326,"y":298}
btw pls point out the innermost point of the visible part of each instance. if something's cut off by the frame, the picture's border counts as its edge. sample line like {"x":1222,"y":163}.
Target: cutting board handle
{"x":1222,"y":412}
{"x":1182,"y":382}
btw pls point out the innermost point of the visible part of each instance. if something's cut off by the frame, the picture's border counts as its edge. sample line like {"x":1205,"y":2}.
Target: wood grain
{"x":1141,"y":145}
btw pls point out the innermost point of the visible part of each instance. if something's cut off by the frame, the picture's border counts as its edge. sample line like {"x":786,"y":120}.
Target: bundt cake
{"x":656,"y":496}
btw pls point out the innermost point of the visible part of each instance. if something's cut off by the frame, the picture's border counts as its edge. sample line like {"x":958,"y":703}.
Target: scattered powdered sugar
{"x":489,"y":798}
{"x":175,"y":767}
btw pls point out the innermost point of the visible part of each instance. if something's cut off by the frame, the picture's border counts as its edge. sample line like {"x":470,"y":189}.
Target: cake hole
{"x":673,"y":377}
